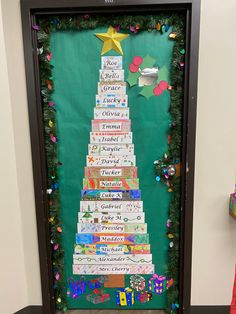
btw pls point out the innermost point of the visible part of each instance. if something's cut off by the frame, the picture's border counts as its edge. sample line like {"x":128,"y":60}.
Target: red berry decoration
{"x":137,"y":60}
{"x":157,"y":91}
{"x":163,"y":85}
{"x":133,"y":68}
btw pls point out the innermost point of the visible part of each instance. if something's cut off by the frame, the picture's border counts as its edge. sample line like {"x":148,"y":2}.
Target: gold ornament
{"x":50,"y":123}
{"x":172,"y":35}
{"x":111,"y":40}
{"x":158,"y":26}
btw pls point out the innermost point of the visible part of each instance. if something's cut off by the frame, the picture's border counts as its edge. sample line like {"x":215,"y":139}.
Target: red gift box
{"x":144,"y":296}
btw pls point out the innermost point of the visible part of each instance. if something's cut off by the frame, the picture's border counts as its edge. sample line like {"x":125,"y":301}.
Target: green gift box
{"x":98,"y":296}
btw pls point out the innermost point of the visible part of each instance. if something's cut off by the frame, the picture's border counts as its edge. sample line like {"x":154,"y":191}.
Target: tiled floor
{"x":115,"y":312}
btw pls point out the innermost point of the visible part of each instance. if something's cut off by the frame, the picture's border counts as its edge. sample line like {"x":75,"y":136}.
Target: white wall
{"x":23,"y":229}
{"x":214,"y":249}
{"x":13,"y":287}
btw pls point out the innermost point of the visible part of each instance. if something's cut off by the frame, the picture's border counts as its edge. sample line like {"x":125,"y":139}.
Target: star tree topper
{"x":111,"y":40}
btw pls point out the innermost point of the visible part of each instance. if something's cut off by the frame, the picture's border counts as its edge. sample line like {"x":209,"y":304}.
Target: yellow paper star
{"x":111,"y":40}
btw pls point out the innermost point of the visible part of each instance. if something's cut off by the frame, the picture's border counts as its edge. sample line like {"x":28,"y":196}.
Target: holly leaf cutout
{"x":147,"y":91}
{"x":148,"y":62}
{"x":163,"y":74}
{"x":132,"y":78}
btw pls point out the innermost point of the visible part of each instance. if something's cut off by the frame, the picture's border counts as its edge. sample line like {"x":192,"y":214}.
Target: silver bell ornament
{"x":171,"y":170}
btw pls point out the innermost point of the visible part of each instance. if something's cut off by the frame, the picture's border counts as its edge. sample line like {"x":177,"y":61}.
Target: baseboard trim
{"x":210,"y":309}
{"x":33,"y":309}
{"x":196,"y":309}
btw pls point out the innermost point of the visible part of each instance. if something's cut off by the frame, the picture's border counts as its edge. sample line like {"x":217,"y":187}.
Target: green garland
{"x":133,"y":24}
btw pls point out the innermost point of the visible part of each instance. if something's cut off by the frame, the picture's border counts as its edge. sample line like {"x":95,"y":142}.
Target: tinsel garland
{"x":134,"y":25}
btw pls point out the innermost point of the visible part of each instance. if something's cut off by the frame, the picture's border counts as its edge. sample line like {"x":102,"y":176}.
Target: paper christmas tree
{"x":111,"y":234}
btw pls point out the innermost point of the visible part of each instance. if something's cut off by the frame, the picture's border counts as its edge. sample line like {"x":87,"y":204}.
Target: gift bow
{"x":94,"y":280}
{"x":98,"y":291}
{"x":161,"y":278}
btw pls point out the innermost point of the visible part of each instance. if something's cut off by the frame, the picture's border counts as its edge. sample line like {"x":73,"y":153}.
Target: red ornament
{"x":137,"y":60}
{"x":168,"y":138}
{"x":49,"y":84}
{"x":133,"y":29}
{"x":57,"y":276}
{"x":59,"y":229}
{"x":53,"y":138}
{"x":163,"y":85}
{"x":157,"y":91}
{"x":133,"y":68}
{"x":49,"y":56}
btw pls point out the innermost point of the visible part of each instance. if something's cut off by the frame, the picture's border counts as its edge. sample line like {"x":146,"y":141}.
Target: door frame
{"x":32,"y":8}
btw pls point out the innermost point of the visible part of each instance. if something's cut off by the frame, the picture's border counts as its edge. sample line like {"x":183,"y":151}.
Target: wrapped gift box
{"x":232,"y":205}
{"x":98,"y":296}
{"x":76,"y":288}
{"x":137,"y":282}
{"x":143,"y":296}
{"x":125,"y":297}
{"x":94,"y":283}
{"x":157,"y":284}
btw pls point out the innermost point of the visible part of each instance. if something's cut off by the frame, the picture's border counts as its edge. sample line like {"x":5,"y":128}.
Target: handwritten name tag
{"x":111,"y":100}
{"x":115,"y":150}
{"x":110,"y":138}
{"x":111,"y":161}
{"x":113,"y":269}
{"x":111,"y":62}
{"x":111,"y":125}
{"x":111,"y":75}
{"x":111,"y":113}
{"x":111,"y":87}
